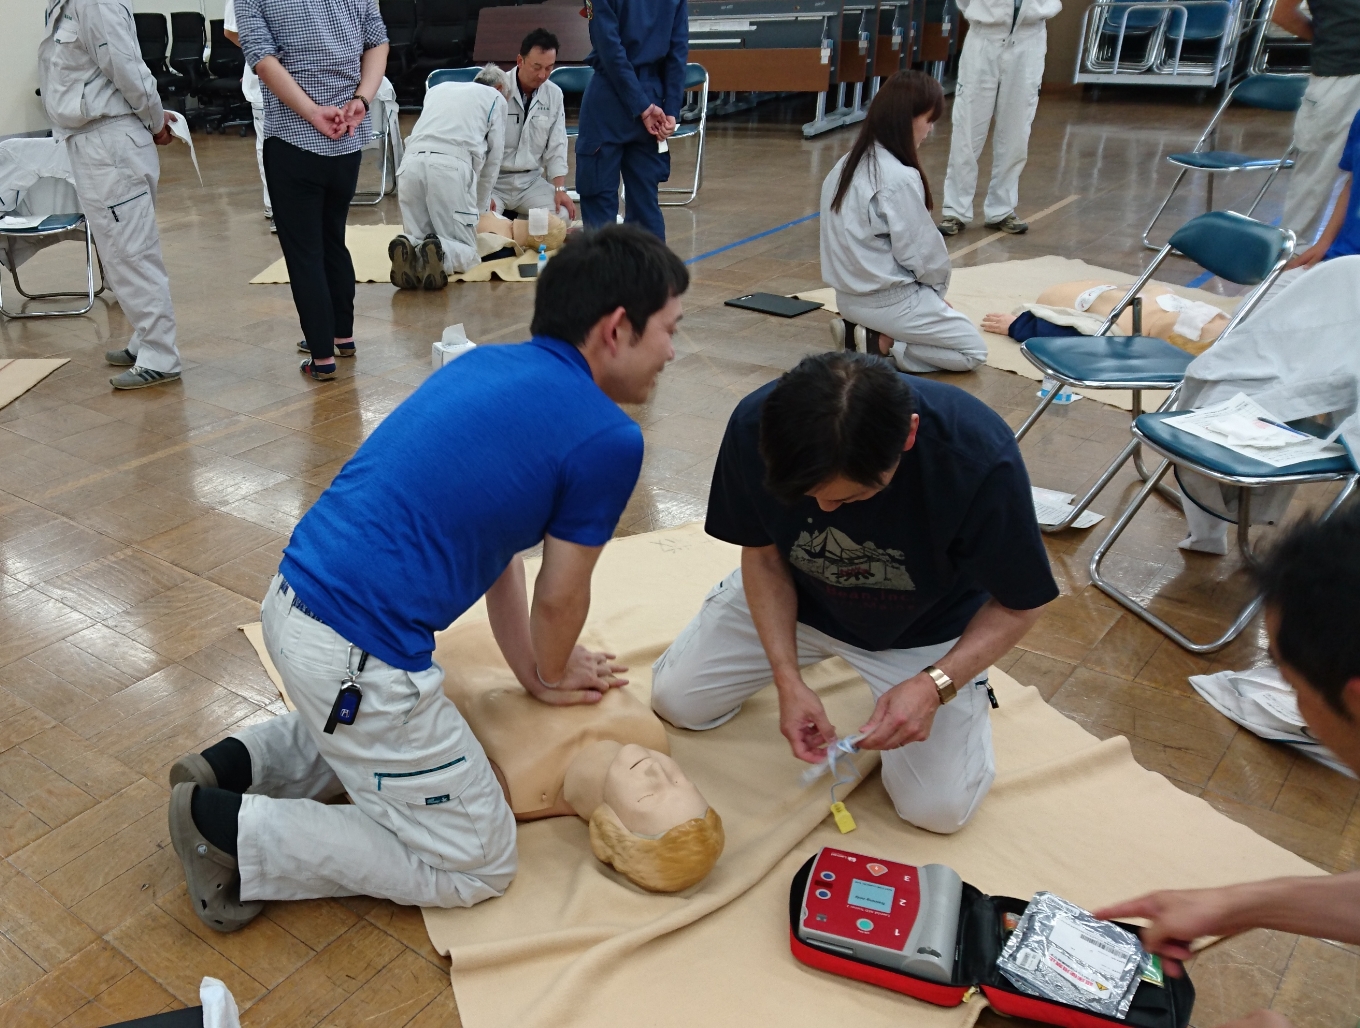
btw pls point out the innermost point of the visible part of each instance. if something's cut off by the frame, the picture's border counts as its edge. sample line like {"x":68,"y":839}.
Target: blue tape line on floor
{"x":752,"y":239}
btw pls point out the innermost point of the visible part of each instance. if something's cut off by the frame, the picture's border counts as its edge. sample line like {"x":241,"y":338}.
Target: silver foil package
{"x":1060,"y":952}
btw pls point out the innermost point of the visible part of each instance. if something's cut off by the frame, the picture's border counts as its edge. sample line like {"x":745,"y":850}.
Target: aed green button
{"x":864,"y":924}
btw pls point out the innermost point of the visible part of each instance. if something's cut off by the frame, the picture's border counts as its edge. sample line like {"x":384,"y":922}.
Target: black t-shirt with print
{"x":911,"y":566}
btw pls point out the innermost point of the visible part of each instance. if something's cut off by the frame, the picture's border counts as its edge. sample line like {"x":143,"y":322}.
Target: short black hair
{"x":541,"y":38}
{"x":1309,"y":580}
{"x":834,"y":414}
{"x":596,"y":273}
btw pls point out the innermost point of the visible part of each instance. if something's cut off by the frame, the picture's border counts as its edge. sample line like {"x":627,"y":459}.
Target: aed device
{"x":885,"y":913}
{"x":868,"y":901}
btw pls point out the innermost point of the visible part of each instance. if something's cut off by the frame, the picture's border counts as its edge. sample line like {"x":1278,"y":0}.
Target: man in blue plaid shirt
{"x":320,"y":64}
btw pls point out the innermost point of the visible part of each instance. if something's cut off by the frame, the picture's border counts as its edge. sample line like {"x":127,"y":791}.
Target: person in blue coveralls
{"x":629,"y":110}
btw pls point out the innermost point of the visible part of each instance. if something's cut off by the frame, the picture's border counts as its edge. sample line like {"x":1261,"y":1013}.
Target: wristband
{"x":363,"y":100}
{"x":546,"y":685}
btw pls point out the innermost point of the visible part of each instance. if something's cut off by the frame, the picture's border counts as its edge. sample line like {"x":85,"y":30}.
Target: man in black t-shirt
{"x":885,"y":521}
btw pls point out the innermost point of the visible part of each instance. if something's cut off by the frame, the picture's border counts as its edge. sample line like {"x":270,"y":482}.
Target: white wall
{"x":21,"y":111}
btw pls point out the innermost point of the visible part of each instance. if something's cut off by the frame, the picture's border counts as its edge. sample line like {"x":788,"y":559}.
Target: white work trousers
{"x":927,"y":333}
{"x":257,"y":113}
{"x":1320,"y":130}
{"x":116,"y":172}
{"x":521,"y":190}
{"x":438,"y":196}
{"x":429,"y":825}
{"x":702,"y":680}
{"x":998,"y":75}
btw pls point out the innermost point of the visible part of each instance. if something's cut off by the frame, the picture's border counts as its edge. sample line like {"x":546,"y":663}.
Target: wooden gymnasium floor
{"x":138,"y":530}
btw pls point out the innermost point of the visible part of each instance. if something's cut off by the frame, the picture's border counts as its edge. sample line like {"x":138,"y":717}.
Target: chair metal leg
{"x":382,"y":190}
{"x":89,"y":293}
{"x":1044,"y":404}
{"x":1170,"y":495}
{"x":1148,"y":231}
{"x":1244,"y":545}
{"x":1079,"y":507}
{"x":1271,"y":178}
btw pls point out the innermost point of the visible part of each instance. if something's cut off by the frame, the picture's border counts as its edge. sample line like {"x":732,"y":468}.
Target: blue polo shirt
{"x":1347,"y":242}
{"x":501,"y":447}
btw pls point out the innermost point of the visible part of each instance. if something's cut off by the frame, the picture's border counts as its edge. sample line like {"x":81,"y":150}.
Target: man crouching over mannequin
{"x":506,"y":446}
{"x":885,"y":521}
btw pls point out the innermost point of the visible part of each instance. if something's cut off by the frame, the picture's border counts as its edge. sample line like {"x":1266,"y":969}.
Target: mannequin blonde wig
{"x":671,"y":862}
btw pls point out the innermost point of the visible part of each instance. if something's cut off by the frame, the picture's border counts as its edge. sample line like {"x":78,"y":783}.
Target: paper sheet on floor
{"x":368,"y":248}
{"x":574,"y":944}
{"x":826,"y":297}
{"x":20,"y":374}
{"x":1244,"y":426}
{"x":1052,"y":507}
{"x":1261,"y":701}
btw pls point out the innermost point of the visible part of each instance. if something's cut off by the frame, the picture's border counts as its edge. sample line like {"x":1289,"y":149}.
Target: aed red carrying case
{"x":980,"y":939}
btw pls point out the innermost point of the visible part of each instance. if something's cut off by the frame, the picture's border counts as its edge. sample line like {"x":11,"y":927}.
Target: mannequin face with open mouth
{"x":649,"y":792}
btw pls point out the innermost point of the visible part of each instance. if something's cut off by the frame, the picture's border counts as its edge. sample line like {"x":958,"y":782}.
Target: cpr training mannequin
{"x":607,"y":763}
{"x":1079,"y":308}
{"x":493,"y":231}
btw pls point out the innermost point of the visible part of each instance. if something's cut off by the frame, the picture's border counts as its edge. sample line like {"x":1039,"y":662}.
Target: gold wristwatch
{"x":944,"y":685}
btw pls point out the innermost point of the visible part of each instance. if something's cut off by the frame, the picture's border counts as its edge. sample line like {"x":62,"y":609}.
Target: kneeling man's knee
{"x":940,"y":810}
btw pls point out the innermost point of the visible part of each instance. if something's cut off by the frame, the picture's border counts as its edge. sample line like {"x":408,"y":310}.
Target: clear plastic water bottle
{"x":542,"y":256}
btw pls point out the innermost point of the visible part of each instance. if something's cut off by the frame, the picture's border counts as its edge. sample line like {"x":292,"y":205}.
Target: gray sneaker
{"x":119,"y":358}
{"x":951,"y":226}
{"x":213,"y":875}
{"x":140,"y":378}
{"x":405,"y":258}
{"x":433,"y":275}
{"x":1010,"y":223}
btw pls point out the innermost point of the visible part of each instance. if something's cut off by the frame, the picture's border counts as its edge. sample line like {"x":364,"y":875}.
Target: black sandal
{"x":316,"y":373}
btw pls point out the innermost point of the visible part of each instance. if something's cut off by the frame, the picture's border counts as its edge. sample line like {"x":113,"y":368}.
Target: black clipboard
{"x":772,"y":303}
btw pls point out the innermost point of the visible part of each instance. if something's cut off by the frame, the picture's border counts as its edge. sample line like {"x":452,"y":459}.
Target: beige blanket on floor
{"x":574,"y":944}
{"x":20,"y":374}
{"x":1005,"y":286}
{"x":368,"y":248}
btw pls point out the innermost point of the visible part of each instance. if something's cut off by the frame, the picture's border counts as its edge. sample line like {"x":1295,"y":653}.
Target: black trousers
{"x":311,"y":195}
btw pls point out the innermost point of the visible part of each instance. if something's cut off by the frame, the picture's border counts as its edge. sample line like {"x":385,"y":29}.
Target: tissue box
{"x":453,"y":345}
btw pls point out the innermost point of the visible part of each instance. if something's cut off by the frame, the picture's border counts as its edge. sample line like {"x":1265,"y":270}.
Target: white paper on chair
{"x":18,"y":221}
{"x":1244,"y":426}
{"x":1053,"y":508}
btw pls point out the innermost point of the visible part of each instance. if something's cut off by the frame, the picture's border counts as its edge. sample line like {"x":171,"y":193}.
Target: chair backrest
{"x":1271,"y":92}
{"x":1201,"y":22}
{"x":226,"y":59}
{"x":48,"y":196}
{"x":1232,"y":246}
{"x":574,"y":78}
{"x":153,"y":39}
{"x":441,"y":75}
{"x":188,"y":34}
{"x":442,"y":27}
{"x":400,"y":18}
{"x":695,"y":76}
{"x":1130,"y":19}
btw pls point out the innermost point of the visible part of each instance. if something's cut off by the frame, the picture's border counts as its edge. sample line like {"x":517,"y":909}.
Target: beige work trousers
{"x":1320,"y":129}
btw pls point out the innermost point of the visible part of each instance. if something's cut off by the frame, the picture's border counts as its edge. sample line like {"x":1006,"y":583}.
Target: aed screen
{"x":871,"y":896}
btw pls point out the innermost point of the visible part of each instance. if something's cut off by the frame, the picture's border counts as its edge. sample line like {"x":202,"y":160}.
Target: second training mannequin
{"x":607,"y":763}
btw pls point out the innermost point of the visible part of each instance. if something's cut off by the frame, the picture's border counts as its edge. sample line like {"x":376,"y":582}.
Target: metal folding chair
{"x":1229,"y":245}
{"x":46,"y":195}
{"x":1112,"y":25}
{"x":1224,"y":466}
{"x":385,"y":100}
{"x":1269,"y":92}
{"x":696,"y":78}
{"x":451,"y":75}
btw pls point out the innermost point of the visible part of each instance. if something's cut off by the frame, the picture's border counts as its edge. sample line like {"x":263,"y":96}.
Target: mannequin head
{"x":518,"y":230}
{"x":647,"y":820}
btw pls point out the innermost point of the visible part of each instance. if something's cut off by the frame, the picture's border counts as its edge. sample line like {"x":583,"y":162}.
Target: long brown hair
{"x":904,"y":97}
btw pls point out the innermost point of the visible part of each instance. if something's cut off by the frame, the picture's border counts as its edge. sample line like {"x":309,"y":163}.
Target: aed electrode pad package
{"x":1060,"y":952}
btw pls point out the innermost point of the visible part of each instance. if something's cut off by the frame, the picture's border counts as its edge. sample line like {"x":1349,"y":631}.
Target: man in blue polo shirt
{"x":506,"y":447}
{"x":884,"y":520}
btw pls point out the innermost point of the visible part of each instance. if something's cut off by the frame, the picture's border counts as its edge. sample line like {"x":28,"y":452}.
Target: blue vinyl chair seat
{"x":51,"y":223}
{"x":1137,"y":20}
{"x":1215,"y":458}
{"x":442,"y":75}
{"x":1111,"y":359}
{"x":1225,"y":160}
